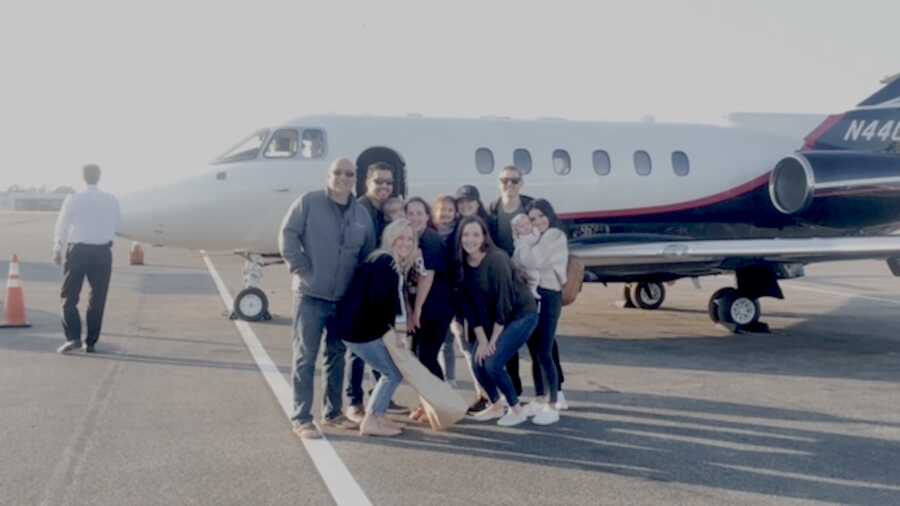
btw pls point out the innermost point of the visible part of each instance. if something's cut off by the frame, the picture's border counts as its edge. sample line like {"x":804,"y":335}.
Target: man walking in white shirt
{"x":83,"y":244}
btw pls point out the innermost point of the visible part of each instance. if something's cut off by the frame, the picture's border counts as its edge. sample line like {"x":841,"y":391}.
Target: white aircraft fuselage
{"x":239,"y":205}
{"x":644,"y":203}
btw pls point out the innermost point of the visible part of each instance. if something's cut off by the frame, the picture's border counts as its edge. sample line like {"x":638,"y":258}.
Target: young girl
{"x":547,"y":256}
{"x":370,"y":308}
{"x":500,"y":313}
{"x":393,"y":209}
{"x":443,"y":221}
{"x":524,"y":237}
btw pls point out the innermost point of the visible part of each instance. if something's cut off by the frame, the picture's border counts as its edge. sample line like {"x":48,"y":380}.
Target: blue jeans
{"x":492,"y":373}
{"x":543,"y":342}
{"x":377,"y":356}
{"x":312,"y":317}
{"x":355,"y":380}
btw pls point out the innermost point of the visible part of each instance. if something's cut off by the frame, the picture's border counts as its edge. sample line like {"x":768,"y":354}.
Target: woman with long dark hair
{"x":500,"y":314}
{"x":468,"y":204}
{"x":432,"y":311}
{"x":545,"y":253}
{"x":431,"y":292}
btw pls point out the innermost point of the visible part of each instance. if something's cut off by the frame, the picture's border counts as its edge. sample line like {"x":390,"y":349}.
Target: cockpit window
{"x":283,"y":144}
{"x":247,"y":149}
{"x":312,"y":143}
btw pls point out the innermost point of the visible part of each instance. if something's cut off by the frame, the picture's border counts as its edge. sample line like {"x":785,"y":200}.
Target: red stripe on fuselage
{"x":810,"y":141}
{"x":671,"y":208}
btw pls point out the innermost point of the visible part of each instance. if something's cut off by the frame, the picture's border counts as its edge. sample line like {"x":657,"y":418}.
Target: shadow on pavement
{"x":696,"y":446}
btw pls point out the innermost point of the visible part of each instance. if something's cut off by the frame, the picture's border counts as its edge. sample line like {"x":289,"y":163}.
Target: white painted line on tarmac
{"x":818,"y":480}
{"x":344,"y":489}
{"x":849,"y":295}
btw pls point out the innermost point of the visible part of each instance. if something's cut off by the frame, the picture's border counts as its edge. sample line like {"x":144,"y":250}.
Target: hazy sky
{"x":153,"y":90}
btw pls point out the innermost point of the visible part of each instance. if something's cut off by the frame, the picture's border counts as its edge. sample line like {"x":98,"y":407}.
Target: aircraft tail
{"x":873,"y":126}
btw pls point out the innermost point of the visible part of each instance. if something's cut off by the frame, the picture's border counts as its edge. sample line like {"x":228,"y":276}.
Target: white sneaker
{"x":489,"y":413}
{"x":561,"y":403}
{"x":548,"y":416}
{"x":512,"y":418}
{"x":533,"y":408}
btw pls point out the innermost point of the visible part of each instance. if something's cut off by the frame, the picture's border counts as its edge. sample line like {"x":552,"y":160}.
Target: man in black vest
{"x":379,"y":188}
{"x":501,"y":211}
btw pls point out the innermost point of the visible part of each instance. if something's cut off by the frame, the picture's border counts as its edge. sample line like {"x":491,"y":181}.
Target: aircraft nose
{"x":138,"y":218}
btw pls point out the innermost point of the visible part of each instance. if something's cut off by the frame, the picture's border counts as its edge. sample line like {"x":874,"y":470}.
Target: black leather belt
{"x":103,"y":245}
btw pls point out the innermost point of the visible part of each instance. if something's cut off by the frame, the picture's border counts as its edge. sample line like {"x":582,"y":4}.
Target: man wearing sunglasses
{"x":324,"y":236}
{"x":501,"y":211}
{"x":510,"y":203}
{"x":379,"y":188}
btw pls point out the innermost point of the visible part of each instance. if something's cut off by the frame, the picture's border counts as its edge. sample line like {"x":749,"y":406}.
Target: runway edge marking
{"x":343,"y":487}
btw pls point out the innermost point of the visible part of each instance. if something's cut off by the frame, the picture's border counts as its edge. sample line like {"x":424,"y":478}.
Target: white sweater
{"x":549,"y":256}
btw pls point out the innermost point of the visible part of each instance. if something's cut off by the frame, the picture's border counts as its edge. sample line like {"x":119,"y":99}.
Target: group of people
{"x":489,"y":279}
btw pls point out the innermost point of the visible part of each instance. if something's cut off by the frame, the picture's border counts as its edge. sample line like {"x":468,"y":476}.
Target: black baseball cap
{"x":467,"y":192}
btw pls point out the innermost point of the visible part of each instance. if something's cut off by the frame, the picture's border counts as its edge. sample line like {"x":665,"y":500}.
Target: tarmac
{"x":666,"y":408}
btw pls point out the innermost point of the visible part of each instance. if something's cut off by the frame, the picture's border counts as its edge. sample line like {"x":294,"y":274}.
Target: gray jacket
{"x":323,"y":245}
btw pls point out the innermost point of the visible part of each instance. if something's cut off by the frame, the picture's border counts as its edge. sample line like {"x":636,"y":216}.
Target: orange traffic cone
{"x":136,"y":256}
{"x":15,"y":299}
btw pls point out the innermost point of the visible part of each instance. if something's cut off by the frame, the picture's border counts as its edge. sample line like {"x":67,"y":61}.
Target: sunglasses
{"x":345,"y":173}
{"x":386,"y":182}
{"x":510,"y":180}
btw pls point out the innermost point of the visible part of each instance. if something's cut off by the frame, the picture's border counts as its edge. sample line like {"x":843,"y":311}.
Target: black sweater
{"x":372,"y":302}
{"x":491,"y":294}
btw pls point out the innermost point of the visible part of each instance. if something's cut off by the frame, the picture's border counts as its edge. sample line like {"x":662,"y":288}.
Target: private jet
{"x":645,"y":203}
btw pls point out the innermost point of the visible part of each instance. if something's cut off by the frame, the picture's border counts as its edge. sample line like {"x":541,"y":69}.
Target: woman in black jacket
{"x":372,"y":305}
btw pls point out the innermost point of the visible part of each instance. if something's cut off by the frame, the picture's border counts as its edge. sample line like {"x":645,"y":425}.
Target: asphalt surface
{"x":665,"y":407}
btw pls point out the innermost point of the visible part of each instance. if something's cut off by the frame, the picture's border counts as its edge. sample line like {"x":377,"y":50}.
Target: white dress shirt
{"x":90,"y":216}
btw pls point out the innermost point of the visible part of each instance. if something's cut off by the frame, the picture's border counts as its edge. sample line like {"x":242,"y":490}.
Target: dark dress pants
{"x":93,"y":262}
{"x":427,"y":342}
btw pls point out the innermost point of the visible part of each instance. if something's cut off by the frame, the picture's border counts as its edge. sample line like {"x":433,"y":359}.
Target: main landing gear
{"x":732,"y":308}
{"x":251,"y":303}
{"x":645,"y":295}
{"x":738,"y":308}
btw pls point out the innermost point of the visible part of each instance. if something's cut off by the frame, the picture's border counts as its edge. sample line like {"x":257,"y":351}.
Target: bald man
{"x":324,"y":236}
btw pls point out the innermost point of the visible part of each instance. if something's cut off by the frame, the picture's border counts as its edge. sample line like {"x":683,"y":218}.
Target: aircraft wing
{"x":698,"y":257}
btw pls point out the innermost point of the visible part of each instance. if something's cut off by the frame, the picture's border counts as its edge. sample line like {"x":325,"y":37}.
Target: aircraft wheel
{"x":738,"y":309}
{"x":648,"y":295}
{"x":251,"y":304}
{"x":626,"y":294}
{"x":713,"y":306}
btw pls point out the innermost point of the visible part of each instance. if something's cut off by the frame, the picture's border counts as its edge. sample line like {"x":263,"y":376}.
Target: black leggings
{"x":427,"y":342}
{"x":536,"y":370}
{"x":549,"y":317}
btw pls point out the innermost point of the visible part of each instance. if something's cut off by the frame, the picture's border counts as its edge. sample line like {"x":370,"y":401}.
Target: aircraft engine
{"x":799,"y":179}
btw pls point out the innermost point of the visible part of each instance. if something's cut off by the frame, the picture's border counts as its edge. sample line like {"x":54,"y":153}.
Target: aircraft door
{"x":381,"y":154}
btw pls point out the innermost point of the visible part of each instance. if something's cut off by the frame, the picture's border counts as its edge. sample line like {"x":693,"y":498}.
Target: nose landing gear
{"x":251,"y":304}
